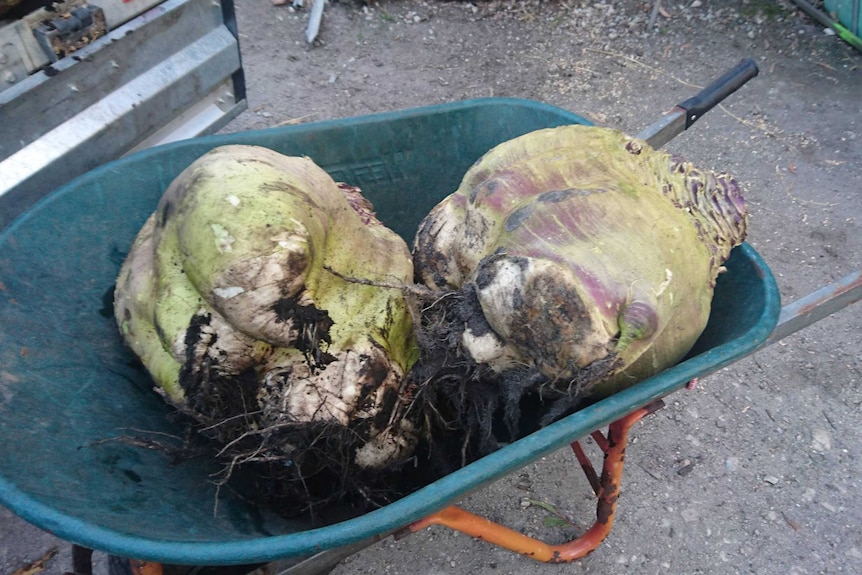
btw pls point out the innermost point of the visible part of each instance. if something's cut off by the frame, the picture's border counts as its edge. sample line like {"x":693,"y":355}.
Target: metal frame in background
{"x":171,"y":73}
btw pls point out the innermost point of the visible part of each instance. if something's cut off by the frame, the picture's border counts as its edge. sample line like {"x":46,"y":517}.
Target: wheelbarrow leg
{"x":607,"y":488}
{"x":82,"y":560}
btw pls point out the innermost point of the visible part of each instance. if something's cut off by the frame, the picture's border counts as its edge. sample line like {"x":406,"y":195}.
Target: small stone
{"x":689,"y":514}
{"x":829,"y":31}
{"x":821,"y":440}
{"x":731,"y":464}
{"x":771,"y":479}
{"x":687,"y":467}
{"x":696,"y":4}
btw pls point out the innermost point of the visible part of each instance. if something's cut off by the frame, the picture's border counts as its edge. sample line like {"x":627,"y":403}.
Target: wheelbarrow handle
{"x":718,"y":90}
{"x":816,"y":306}
{"x":687,"y":112}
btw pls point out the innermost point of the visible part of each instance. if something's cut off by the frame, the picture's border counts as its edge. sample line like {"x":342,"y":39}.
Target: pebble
{"x":771,"y":479}
{"x":689,"y":514}
{"x":731,"y":464}
{"x":687,"y":467}
{"x":821,"y":440}
{"x":524,"y":483}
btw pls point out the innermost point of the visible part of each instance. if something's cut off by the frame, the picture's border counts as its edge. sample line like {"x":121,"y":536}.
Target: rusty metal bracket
{"x":606,"y":486}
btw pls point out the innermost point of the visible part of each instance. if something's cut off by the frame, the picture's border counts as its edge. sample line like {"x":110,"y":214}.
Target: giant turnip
{"x":581,"y":260}
{"x":236,"y":299}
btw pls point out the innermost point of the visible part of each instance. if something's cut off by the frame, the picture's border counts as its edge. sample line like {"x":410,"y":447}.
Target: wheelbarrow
{"x":68,"y":385}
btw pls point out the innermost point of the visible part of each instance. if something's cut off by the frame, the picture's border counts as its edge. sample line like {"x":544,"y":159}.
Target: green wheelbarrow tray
{"x":68,"y":386}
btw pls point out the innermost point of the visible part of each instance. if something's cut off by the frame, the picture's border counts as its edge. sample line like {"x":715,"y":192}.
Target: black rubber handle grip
{"x":721,"y":88}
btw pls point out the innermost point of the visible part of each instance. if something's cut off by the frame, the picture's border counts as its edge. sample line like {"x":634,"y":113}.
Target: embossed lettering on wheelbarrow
{"x":68,"y":384}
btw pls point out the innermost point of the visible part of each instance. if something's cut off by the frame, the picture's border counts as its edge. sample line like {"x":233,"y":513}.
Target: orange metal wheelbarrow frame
{"x":606,"y":488}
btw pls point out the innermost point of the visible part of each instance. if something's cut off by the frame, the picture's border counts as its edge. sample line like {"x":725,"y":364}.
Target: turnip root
{"x":237,"y":298}
{"x":586,"y":259}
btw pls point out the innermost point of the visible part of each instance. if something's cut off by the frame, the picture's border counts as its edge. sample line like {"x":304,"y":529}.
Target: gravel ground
{"x":757,"y":469}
